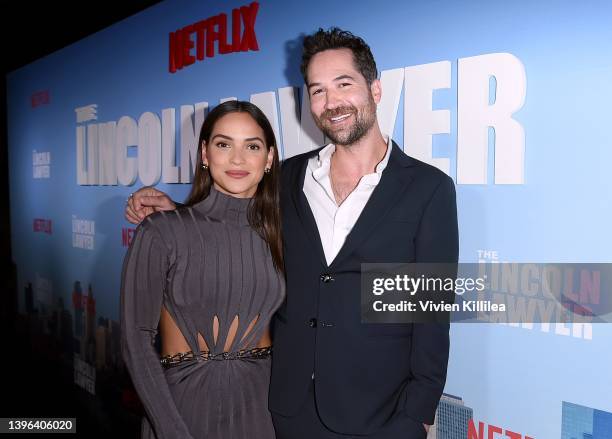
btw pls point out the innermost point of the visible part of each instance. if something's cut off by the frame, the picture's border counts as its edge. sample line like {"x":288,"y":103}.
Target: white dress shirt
{"x":336,"y":222}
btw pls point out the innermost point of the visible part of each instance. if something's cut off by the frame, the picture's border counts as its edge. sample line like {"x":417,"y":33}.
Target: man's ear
{"x":376,"y":89}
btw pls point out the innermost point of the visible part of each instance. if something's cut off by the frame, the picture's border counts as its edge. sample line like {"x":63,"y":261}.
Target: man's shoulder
{"x":429,"y":171}
{"x":420,"y":169}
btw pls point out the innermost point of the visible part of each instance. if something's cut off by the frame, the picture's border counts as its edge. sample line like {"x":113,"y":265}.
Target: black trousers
{"x":308,"y":425}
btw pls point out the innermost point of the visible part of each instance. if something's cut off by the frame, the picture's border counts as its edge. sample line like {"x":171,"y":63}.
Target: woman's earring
{"x":204,"y":166}
{"x":267,"y":170}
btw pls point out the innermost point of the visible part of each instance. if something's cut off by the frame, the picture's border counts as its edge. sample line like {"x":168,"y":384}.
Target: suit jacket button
{"x":312,"y":323}
{"x":326,"y":278}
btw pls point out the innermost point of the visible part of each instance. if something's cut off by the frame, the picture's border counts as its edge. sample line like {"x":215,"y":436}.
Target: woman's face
{"x":237,"y":155}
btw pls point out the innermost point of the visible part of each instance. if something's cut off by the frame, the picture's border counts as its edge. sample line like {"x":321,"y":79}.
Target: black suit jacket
{"x":364,"y":373}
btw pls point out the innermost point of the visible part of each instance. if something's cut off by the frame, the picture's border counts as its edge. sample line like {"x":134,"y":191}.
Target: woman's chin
{"x":237,"y":190}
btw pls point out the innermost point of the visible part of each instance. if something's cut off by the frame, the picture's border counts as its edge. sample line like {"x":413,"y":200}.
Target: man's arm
{"x":437,"y":241}
{"x":144,"y":202}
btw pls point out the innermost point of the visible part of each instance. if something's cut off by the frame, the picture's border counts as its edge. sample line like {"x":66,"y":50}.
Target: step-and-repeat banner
{"x":511,"y":99}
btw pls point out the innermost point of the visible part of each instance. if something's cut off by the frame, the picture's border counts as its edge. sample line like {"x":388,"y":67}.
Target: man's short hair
{"x":335,"y":38}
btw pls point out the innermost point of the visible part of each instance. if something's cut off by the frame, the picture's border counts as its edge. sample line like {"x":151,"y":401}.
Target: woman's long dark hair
{"x":264,"y":210}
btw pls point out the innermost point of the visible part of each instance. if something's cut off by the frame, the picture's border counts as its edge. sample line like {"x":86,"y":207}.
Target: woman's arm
{"x":143,"y":283}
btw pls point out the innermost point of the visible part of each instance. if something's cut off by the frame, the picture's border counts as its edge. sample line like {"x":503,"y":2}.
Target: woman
{"x":209,"y":275}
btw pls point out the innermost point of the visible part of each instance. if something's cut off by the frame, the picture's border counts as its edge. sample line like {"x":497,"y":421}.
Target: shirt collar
{"x":383,"y":163}
{"x":321,"y":163}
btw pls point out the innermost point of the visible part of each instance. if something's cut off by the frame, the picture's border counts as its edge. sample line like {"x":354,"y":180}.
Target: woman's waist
{"x":187,"y":357}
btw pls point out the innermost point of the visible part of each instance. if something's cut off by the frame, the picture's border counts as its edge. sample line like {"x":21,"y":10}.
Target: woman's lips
{"x":237,"y":174}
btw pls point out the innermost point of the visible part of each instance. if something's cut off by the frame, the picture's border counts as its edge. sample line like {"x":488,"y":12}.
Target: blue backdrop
{"x":512,"y":377}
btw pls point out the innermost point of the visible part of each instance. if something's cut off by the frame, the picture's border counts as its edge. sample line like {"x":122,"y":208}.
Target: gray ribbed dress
{"x":199,"y":263}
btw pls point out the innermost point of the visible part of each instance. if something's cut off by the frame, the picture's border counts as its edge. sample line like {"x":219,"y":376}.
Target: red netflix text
{"x":40,"y":98}
{"x":492,"y":432}
{"x":42,"y":226}
{"x":126,"y":236}
{"x":203,"y":34}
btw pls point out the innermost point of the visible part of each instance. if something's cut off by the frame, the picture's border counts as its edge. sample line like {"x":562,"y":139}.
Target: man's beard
{"x":364,"y":120}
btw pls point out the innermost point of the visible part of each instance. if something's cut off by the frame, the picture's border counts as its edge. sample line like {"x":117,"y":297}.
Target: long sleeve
{"x":143,"y":282}
{"x":436,"y":242}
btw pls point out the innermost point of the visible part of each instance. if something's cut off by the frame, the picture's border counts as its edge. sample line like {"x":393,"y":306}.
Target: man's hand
{"x":427,"y":427}
{"x":144,"y":202}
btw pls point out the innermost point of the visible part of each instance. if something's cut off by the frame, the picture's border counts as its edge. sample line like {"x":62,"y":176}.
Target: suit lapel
{"x":304,"y":212}
{"x":392,"y":185}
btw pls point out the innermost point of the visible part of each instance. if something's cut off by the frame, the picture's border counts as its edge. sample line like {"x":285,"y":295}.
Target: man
{"x":357,"y":200}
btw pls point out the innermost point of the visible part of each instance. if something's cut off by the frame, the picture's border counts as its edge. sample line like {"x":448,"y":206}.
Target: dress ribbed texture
{"x":199,"y":263}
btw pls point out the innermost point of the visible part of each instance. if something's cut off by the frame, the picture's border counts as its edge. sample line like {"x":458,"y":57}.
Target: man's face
{"x":342,"y":104}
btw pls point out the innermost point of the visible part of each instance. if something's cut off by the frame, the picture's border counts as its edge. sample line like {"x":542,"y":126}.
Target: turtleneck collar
{"x":225,"y":208}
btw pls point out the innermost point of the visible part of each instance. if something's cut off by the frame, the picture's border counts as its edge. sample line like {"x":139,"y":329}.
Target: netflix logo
{"x":210,"y":36}
{"x":127,"y":235}
{"x":40,"y":98}
{"x":42,"y":226}
{"x":485,"y":431}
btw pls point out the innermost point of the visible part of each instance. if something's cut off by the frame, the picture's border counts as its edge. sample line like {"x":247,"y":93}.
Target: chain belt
{"x":168,"y":361}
